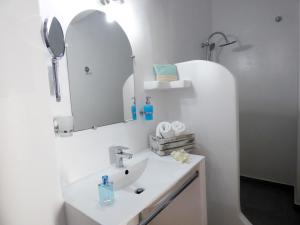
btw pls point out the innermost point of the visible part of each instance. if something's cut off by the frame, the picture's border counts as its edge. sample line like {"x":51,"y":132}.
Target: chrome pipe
{"x":55,"y":79}
{"x":219,"y":33}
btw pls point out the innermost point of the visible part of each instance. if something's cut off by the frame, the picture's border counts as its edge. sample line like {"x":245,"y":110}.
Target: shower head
{"x":228,"y":43}
{"x":210,"y":46}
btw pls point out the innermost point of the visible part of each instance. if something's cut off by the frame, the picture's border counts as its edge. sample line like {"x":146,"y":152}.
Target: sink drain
{"x":139,"y":191}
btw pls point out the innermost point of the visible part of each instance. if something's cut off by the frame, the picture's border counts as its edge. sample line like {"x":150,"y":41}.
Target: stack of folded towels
{"x":171,"y":137}
{"x":165,"y":72}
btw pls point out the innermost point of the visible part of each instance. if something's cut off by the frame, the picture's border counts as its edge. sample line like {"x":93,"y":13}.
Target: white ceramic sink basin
{"x":129,"y":177}
{"x":156,"y":175}
{"x":143,"y":174}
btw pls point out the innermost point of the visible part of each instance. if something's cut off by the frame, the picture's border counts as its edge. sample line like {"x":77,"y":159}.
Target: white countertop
{"x":83,"y":194}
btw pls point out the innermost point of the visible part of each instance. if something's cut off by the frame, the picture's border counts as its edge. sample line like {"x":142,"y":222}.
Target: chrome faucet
{"x":117,"y":155}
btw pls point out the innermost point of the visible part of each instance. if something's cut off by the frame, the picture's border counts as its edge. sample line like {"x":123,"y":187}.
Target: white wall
{"x":29,"y":184}
{"x":159,"y":34}
{"x":267,"y":76}
{"x":29,"y":190}
{"x":210,"y":109}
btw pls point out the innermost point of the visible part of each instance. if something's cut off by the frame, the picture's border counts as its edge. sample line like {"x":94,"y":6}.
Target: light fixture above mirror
{"x":105,"y":2}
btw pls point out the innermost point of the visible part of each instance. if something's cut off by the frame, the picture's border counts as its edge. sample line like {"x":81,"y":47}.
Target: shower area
{"x":258,"y":41}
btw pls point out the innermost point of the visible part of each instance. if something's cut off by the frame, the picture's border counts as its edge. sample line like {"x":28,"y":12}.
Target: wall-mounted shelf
{"x":165,"y":85}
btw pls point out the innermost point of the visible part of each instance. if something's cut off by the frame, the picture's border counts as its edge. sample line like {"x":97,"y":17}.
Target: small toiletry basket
{"x":165,"y":146}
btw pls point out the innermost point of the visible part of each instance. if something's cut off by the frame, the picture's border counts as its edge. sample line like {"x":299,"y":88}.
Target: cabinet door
{"x":189,"y":208}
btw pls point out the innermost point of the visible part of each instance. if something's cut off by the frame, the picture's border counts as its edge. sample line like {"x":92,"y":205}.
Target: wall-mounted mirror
{"x":101,"y":75}
{"x":54,"y":40}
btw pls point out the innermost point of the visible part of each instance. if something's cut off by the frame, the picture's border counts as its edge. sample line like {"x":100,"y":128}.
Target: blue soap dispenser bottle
{"x":133,"y":109}
{"x":106,"y":192}
{"x":148,"y":109}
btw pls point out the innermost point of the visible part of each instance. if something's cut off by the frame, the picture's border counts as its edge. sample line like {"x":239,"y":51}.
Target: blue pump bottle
{"x":106,"y":192}
{"x":148,"y":109}
{"x":133,"y":109}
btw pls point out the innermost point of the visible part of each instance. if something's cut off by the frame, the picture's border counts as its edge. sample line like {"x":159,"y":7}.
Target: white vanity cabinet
{"x":178,"y":190}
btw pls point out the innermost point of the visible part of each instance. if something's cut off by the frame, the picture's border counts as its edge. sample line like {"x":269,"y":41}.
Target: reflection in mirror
{"x":53,"y":37}
{"x":100,"y":67}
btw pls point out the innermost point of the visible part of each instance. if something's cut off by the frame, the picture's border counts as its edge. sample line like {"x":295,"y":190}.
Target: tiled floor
{"x":266,"y":203}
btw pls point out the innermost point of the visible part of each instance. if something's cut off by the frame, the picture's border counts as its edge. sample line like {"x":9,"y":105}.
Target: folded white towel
{"x":164,"y":130}
{"x":178,"y":128}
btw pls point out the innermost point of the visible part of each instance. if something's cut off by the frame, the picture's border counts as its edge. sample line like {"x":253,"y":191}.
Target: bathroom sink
{"x":129,"y":177}
{"x":144,"y":180}
{"x":142,"y":174}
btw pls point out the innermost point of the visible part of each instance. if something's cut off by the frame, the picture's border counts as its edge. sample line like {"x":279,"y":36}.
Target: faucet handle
{"x":117,"y":149}
{"x":113,"y":150}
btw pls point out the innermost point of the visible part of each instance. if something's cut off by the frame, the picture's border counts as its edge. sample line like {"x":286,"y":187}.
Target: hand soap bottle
{"x":106,"y":192}
{"x":133,"y":109}
{"x":148,"y":109}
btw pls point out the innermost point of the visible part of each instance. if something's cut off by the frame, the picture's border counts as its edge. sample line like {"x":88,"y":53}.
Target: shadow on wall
{"x":60,"y":217}
{"x":265,"y":128}
{"x":257,"y":132}
{"x":237,"y":47}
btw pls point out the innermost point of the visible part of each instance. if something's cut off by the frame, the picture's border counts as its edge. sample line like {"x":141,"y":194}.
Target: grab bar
{"x":168,"y":200}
